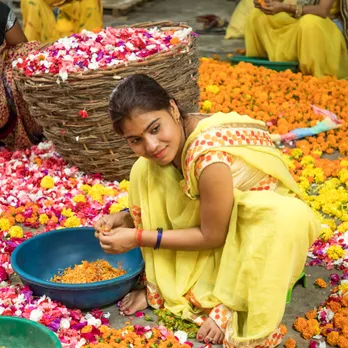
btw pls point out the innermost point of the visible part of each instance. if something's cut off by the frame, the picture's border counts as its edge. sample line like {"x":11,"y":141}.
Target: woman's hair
{"x":137,"y":93}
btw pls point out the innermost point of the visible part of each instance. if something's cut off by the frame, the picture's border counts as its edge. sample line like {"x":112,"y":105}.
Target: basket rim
{"x":177,"y":50}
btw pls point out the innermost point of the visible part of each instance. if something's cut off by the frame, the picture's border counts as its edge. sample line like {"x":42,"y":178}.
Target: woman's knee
{"x":255,"y":17}
{"x":310,"y":22}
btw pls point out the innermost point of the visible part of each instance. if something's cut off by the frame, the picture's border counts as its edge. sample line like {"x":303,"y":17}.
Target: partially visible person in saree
{"x":17,"y":127}
{"x":222,"y":226}
{"x":49,"y":20}
{"x":312,"y":32}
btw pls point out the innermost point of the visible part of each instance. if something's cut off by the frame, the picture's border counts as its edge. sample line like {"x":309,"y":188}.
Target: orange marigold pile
{"x":88,"y":272}
{"x":281,"y":99}
{"x":329,"y":320}
{"x":129,"y":337}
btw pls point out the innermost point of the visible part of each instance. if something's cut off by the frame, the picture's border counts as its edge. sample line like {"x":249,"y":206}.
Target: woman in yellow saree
{"x":214,"y":208}
{"x":41,"y":23}
{"x":312,"y":32}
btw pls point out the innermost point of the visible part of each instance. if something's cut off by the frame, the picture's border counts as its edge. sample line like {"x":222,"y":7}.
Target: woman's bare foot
{"x":133,"y":302}
{"x":209,"y":332}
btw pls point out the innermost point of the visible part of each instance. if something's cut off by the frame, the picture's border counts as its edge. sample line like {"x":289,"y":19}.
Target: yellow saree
{"x":40,"y":24}
{"x":243,"y":285}
{"x":316,"y":43}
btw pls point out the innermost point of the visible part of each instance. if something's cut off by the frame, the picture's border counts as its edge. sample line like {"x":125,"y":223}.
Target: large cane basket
{"x":91,"y":143}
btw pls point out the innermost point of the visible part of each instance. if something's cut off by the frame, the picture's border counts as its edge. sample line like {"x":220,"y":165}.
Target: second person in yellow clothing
{"x":48,"y":20}
{"x":312,"y":32}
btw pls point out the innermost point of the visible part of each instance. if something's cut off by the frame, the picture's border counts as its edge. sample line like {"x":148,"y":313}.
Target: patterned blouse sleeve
{"x":210,"y":158}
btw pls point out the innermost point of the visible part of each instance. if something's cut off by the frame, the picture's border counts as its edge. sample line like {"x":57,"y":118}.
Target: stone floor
{"x":186,"y":11}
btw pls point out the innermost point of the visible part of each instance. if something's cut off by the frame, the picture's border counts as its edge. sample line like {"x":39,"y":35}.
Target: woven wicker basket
{"x":90,"y":143}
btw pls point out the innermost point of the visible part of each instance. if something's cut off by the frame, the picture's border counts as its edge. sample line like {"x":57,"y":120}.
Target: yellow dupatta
{"x":265,"y":248}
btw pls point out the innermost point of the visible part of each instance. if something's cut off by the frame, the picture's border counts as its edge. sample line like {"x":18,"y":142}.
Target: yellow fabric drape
{"x":265,"y":250}
{"x":40,"y":24}
{"x":316,"y":43}
{"x":236,"y":26}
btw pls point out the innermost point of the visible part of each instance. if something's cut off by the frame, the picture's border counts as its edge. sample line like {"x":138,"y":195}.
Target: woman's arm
{"x":15,"y":35}
{"x":216,"y":204}
{"x":321,"y":10}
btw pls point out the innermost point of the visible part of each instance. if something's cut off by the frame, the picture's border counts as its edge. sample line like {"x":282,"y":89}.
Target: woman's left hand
{"x":272,"y":7}
{"x":118,"y":240}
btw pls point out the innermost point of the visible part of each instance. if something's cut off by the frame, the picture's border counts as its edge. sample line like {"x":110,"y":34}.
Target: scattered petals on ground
{"x":327,"y":323}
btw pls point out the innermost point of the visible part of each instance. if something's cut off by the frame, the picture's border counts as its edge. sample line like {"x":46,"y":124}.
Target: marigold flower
{"x":334,"y":306}
{"x":311,"y":314}
{"x":335,"y":252}
{"x":207,"y":104}
{"x":290,"y":343}
{"x":4,"y":224}
{"x":320,"y":283}
{"x":342,"y":341}
{"x":326,"y":234}
{"x":124,"y":185}
{"x":67,"y":212}
{"x":325,"y":330}
{"x":47,"y":182}
{"x":332,"y":338}
{"x":300,"y":324}
{"x":72,"y":221}
{"x":283,"y":329}
{"x":344,"y":301}
{"x":19,"y":218}
{"x":314,"y":324}
{"x":43,"y":219}
{"x":79,"y":198}
{"x":15,"y":232}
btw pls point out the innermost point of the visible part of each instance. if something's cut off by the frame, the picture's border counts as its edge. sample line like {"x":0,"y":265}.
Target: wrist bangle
{"x":299,"y":11}
{"x":125,"y":209}
{"x":159,"y":238}
{"x":139,"y":236}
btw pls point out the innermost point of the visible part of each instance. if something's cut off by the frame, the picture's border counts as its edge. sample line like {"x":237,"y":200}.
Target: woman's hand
{"x":108,"y":223}
{"x":257,"y":4}
{"x":118,"y":240}
{"x":273,"y":7}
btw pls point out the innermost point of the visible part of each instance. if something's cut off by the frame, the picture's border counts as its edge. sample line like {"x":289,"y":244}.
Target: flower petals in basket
{"x":79,"y":73}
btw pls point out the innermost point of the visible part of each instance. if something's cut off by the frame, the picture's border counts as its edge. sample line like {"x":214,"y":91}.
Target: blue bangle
{"x":125,"y":209}
{"x":159,"y":238}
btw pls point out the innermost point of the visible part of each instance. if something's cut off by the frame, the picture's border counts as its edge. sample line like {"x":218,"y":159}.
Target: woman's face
{"x":155,"y":135}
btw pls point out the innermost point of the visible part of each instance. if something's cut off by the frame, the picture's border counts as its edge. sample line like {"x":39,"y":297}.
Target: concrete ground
{"x":186,"y":11}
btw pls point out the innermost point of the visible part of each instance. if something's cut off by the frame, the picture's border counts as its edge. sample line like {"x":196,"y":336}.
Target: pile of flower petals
{"x":330,"y":320}
{"x":39,"y":189}
{"x":331,"y":249}
{"x":134,"y":336}
{"x":90,"y":51}
{"x":7,"y":246}
{"x":18,"y":301}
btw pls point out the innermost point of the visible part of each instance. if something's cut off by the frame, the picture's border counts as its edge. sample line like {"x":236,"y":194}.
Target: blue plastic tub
{"x":23,"y":333}
{"x":39,"y":258}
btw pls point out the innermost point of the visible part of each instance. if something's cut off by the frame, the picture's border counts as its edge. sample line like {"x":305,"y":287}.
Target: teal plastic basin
{"x":22,"y":333}
{"x":258,"y":61}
